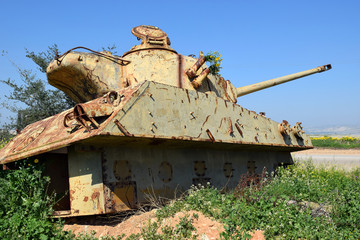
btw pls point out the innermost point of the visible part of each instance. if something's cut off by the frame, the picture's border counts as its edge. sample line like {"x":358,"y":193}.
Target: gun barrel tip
{"x":328,"y":67}
{"x":325,"y":68}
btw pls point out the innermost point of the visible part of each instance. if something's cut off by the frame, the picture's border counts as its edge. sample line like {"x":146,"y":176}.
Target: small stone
{"x":204,"y":237}
{"x":291,"y":202}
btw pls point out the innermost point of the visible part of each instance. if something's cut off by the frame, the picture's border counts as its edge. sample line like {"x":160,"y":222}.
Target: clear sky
{"x":258,"y":40}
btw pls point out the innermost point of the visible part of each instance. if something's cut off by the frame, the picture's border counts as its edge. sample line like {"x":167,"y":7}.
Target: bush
{"x":25,"y":207}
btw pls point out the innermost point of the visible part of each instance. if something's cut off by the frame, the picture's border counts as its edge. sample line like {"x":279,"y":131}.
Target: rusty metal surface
{"x":85,"y":182}
{"x":197,"y":82}
{"x":162,"y":171}
{"x":151,"y":38}
{"x":190,"y":115}
{"x":191,"y":72}
{"x":154,"y":110}
{"x":52,"y":133}
{"x":86,"y":76}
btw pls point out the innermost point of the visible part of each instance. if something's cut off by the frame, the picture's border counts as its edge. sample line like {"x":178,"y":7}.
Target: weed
{"x":282,"y":206}
{"x":300,"y":202}
{"x":25,"y":208}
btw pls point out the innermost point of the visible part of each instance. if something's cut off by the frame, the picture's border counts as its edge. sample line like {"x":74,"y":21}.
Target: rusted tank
{"x":149,"y":123}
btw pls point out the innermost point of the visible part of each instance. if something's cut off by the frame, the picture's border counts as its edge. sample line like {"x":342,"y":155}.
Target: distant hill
{"x":335,"y":131}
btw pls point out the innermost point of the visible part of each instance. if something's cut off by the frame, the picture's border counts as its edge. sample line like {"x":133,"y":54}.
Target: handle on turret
{"x":241,"y":91}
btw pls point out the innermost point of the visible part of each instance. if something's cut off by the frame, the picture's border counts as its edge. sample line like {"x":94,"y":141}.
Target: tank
{"x":148,"y":125}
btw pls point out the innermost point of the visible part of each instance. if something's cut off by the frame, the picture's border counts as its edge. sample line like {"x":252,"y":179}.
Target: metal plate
{"x":150,"y":31}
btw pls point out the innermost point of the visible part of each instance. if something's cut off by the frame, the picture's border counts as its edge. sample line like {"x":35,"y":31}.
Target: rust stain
{"x":216,"y":106}
{"x":205,"y":120}
{"x":180,"y":70}
{"x":86,"y":199}
{"x":187,"y":94}
{"x":238,"y":128}
{"x":122,"y":128}
{"x":221,"y":122}
{"x":224,"y":85}
{"x":231,"y":130}
{"x":191,"y":72}
{"x":95,"y":195}
{"x":210,"y":135}
{"x":72,"y":195}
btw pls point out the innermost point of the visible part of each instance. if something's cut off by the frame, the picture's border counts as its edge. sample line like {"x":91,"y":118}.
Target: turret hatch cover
{"x":149,"y":31}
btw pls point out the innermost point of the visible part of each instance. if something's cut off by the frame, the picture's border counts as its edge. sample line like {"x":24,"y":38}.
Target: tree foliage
{"x":34,"y":98}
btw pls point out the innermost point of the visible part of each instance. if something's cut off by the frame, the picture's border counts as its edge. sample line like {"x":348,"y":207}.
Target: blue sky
{"x":258,"y":40}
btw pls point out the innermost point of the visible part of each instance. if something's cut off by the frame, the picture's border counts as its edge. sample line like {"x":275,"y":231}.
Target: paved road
{"x":347,"y":159}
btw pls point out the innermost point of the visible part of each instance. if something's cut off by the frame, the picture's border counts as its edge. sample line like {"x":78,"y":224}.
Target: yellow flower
{"x":29,"y":164}
{"x":36,"y":160}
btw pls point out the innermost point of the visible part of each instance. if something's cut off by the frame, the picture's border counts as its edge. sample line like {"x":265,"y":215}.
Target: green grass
{"x":336,"y":142}
{"x":285,"y":207}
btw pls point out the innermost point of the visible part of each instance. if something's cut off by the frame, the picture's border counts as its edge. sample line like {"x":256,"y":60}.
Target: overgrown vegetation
{"x":214,"y":59}
{"x":300,"y":202}
{"x":25,"y":208}
{"x":336,"y":142}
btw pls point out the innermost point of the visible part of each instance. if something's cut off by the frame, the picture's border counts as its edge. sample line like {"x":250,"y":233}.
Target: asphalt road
{"x":347,"y":159}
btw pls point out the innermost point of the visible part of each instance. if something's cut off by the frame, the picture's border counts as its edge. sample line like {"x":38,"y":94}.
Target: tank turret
{"x":87,"y":76}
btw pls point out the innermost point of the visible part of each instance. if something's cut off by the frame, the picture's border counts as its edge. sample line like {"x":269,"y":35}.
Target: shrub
{"x":25,"y":208}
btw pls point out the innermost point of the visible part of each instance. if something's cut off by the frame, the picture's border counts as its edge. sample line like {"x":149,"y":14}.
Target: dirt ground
{"x":207,"y":228}
{"x":328,"y":151}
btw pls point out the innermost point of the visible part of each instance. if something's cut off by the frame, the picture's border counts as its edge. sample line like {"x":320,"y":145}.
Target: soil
{"x":207,"y":228}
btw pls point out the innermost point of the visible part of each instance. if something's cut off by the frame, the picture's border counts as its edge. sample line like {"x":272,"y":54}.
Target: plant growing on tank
{"x":214,"y":58}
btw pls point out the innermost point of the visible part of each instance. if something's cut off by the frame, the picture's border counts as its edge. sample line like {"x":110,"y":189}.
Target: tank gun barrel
{"x":241,"y":91}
